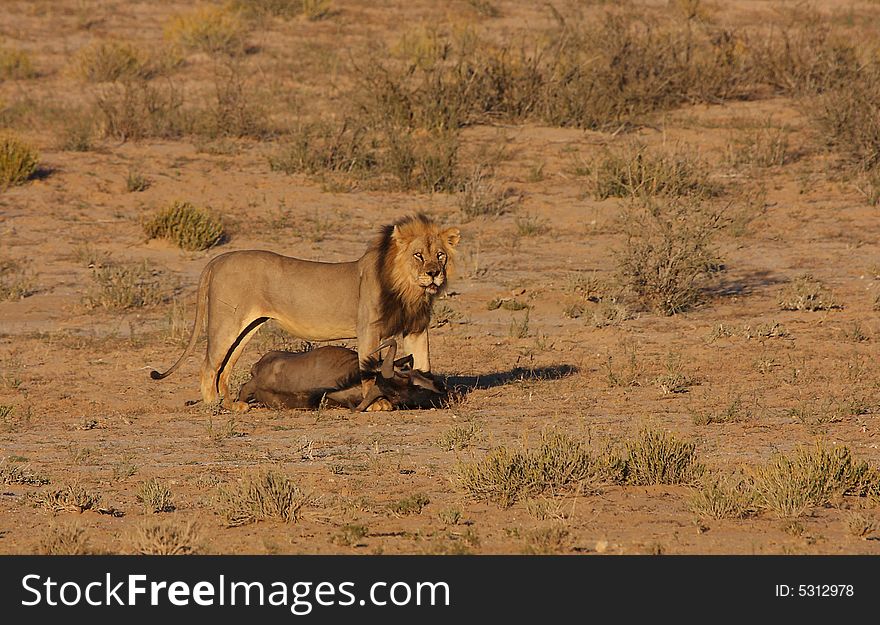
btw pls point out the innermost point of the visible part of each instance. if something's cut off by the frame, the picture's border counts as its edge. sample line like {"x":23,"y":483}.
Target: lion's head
{"x":414,"y":255}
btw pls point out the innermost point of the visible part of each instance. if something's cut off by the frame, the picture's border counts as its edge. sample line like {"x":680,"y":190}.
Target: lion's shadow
{"x":462,"y":385}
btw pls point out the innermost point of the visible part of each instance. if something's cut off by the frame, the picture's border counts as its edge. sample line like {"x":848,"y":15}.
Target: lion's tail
{"x":201,"y":304}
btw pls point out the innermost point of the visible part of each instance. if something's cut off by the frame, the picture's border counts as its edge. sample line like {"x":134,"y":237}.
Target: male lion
{"x":387,"y":292}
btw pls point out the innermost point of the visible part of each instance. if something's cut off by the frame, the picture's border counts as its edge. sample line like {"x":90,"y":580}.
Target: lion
{"x":388,"y":292}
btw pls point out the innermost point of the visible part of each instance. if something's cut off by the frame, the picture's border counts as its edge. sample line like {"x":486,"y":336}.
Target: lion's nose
{"x":433,"y":272}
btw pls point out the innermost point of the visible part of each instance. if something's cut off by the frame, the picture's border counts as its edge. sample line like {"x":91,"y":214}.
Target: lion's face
{"x":423,"y":254}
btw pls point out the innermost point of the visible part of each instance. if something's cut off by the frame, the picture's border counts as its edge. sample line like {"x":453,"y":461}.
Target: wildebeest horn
{"x":372,"y":395}
{"x":388,"y":363}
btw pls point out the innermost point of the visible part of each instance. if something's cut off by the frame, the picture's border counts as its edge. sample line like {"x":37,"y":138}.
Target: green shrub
{"x":660,"y":458}
{"x":190,"y":228}
{"x":790,"y":485}
{"x":15,"y":65}
{"x":18,"y":162}
{"x":210,"y":29}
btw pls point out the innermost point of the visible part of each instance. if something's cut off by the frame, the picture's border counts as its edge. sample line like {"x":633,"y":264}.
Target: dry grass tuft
{"x":15,"y":280}
{"x":165,"y":538}
{"x":790,"y":485}
{"x":763,"y":147}
{"x":209,"y":29}
{"x":69,"y":498}
{"x":156,"y":496}
{"x":14,"y":473}
{"x":660,"y":458}
{"x":546,"y":541}
{"x":458,"y":437}
{"x":725,"y":497}
{"x":807,"y":293}
{"x":481,"y":197}
{"x":188,"y":227}
{"x":267,"y":495}
{"x":68,"y":539}
{"x":559,"y":464}
{"x":414,"y":504}
{"x":18,"y":162}
{"x":634,"y":171}
{"x":15,"y":65}
{"x":120,"y":286}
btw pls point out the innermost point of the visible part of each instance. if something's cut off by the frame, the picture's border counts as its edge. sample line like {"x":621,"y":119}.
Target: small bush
{"x":107,"y":61}
{"x":458,"y":437}
{"x":277,"y":8}
{"x":135,"y":182}
{"x":315,"y":10}
{"x":268,"y":495}
{"x":480,"y":197}
{"x":790,"y":485}
{"x":15,"y":65}
{"x":350,"y":535}
{"x":165,"y":538}
{"x":422,"y":161}
{"x":806,"y":58}
{"x":320,"y":147}
{"x":69,"y":498}
{"x":499,"y":477}
{"x":234,"y":112}
{"x":123,"y":286}
{"x":807,"y":293}
{"x":637,"y":172}
{"x":723,"y":498}
{"x":847,"y":120}
{"x":547,"y":541}
{"x":64,"y":540}
{"x":190,"y":228}
{"x":414,"y":504}
{"x":156,"y":496}
{"x":18,"y":162}
{"x":209,"y":29}
{"x":15,"y":280}
{"x":669,"y":256}
{"x":733,"y":412}
{"x":78,"y":130}
{"x":136,"y":110}
{"x":659,"y":458}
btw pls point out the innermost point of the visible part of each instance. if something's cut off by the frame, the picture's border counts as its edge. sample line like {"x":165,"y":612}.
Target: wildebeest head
{"x":398,"y":382}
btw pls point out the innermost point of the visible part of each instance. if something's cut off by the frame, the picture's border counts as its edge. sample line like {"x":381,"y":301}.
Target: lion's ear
{"x":452,"y":236}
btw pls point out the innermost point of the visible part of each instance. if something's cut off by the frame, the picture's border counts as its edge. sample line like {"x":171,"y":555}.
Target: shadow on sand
{"x":463,"y":384}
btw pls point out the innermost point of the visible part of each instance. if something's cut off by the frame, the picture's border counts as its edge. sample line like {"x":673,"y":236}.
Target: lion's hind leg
{"x":232,"y":356}
{"x":227,"y":338}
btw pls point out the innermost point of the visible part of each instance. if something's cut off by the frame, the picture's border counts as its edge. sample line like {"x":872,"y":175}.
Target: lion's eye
{"x":440,"y":255}
{"x":419,"y":257}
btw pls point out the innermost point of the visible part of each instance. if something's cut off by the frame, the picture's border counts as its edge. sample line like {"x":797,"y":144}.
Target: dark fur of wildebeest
{"x":333,"y":375}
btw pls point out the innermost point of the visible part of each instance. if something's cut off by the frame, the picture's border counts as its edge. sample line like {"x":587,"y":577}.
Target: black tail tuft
{"x":155,"y":375}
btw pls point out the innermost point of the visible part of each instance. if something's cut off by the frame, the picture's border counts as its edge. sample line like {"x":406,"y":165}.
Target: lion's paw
{"x":380,"y":404}
{"x":238,"y":406}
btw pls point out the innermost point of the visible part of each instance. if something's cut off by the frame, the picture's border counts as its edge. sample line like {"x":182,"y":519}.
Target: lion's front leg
{"x":417,"y":345}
